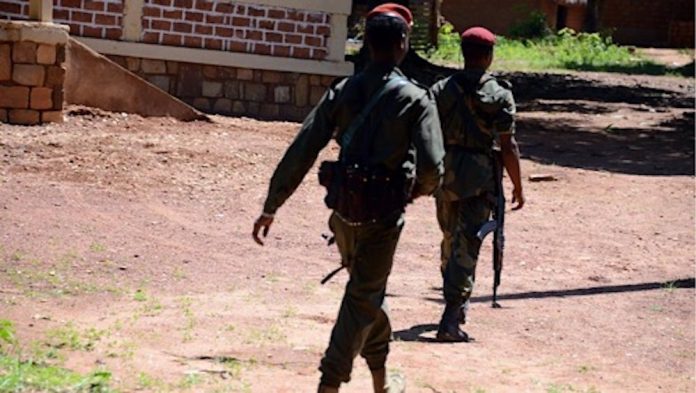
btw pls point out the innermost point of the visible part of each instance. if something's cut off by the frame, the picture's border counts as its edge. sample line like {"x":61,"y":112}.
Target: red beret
{"x":478,"y":35}
{"x":393,"y":10}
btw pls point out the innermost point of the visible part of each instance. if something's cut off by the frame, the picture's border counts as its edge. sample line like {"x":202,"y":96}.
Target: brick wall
{"x":239,"y":27}
{"x":86,"y":18}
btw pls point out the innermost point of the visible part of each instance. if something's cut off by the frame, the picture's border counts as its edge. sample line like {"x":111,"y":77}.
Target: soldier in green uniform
{"x":402,"y":134}
{"x":477,"y":114}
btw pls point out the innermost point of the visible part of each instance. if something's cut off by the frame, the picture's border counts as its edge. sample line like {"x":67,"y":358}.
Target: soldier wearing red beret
{"x":391,"y":151}
{"x":477,"y":113}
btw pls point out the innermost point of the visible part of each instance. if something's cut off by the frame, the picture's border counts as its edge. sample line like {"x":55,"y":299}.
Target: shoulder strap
{"x":348,"y":135}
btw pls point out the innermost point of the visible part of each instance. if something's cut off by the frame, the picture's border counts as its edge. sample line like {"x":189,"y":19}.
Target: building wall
{"x":272,"y":50}
{"x":498,"y":16}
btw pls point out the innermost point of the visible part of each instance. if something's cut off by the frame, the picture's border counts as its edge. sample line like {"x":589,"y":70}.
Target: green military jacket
{"x":475,"y":110}
{"x":407,"y":136}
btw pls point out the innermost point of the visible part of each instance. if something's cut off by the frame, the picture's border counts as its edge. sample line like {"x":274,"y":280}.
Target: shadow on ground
{"x":664,"y":149}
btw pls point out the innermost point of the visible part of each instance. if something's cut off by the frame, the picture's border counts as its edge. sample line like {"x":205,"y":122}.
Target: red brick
{"x":236,"y":46}
{"x":193,"y":42}
{"x":14,"y":97}
{"x":61,"y":14}
{"x":41,"y":98}
{"x":151,"y":38}
{"x":55,"y":76}
{"x":276,"y":14}
{"x":242,"y":22}
{"x":25,"y":117}
{"x":46,"y":54}
{"x":182,"y":27}
{"x":75,"y":29}
{"x":254,"y":11}
{"x":274,"y":37}
{"x":93,"y":5}
{"x":145,"y":23}
{"x":183,"y":3}
{"x":71,"y":3}
{"x":113,"y":34}
{"x":10,"y":8}
{"x":217,"y":19}
{"x":262,"y":49}
{"x":314,"y":17}
{"x":281,"y":50}
{"x":323,"y":30}
{"x":286,"y":27}
{"x":203,"y":29}
{"x":204,"y":5}
{"x":319,"y":54}
{"x":24,"y":52}
{"x":272,"y":77}
{"x":296,"y":15}
{"x":152,"y":11}
{"x":77,"y":16}
{"x":212,"y":43}
{"x":223,"y":31}
{"x":253,"y":35}
{"x":171,"y":39}
{"x":173,"y":14}
{"x":305,"y":29}
{"x":52,"y":117}
{"x":266,"y":24}
{"x":113,"y":7}
{"x":60,"y":54}
{"x":313,"y":41}
{"x":293,"y":39}
{"x":302,"y":53}
{"x":194,"y":16}
{"x":101,"y":19}
{"x":167,"y":3}
{"x":159,"y":24}
{"x":224,"y":8}
{"x":58,"y":96}
{"x":241,"y":9}
{"x":89,"y":31}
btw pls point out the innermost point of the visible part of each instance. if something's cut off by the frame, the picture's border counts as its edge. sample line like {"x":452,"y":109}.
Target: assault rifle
{"x":496,"y":225}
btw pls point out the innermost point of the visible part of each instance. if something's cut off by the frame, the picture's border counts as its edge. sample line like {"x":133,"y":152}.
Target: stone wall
{"x":31,"y":72}
{"x":271,"y":95}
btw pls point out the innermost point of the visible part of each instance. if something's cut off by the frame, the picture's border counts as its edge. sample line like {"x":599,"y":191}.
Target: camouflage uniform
{"x":475,"y":110}
{"x":409,"y":128}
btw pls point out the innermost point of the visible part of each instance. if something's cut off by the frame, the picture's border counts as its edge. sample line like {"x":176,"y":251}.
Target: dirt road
{"x":132,"y":237}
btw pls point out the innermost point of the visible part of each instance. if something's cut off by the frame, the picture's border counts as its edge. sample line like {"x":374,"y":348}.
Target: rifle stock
{"x":499,"y":218}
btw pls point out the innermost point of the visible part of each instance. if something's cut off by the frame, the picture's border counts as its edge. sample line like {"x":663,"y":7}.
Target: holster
{"x":363,"y":194}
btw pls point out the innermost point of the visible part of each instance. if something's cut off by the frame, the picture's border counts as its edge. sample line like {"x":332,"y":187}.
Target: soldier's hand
{"x":518,"y":198}
{"x":263,"y":222}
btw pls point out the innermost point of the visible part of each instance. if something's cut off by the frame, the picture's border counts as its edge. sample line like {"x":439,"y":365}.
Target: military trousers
{"x":362,"y":327}
{"x":459,"y":221}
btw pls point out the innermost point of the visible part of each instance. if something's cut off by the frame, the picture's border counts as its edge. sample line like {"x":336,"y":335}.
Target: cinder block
{"x":41,"y":98}
{"x":29,"y":74}
{"x":281,"y":94}
{"x":212,"y":89}
{"x":16,"y":97}
{"x":25,"y":117}
{"x":255,"y":92}
{"x":46,"y":54}
{"x":223,"y":105}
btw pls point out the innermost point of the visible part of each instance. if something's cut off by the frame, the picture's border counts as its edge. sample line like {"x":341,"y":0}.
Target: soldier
{"x":477,"y":113}
{"x":399,"y":141}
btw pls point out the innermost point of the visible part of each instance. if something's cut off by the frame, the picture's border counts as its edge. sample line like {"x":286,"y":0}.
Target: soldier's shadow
{"x":417,"y":333}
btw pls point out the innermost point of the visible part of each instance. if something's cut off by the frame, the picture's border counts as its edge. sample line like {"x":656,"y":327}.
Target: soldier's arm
{"x":314,"y":135}
{"x":427,"y":138}
{"x":505,"y":126}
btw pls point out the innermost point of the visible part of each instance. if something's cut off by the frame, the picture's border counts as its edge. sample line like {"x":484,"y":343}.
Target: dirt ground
{"x":134,"y":234}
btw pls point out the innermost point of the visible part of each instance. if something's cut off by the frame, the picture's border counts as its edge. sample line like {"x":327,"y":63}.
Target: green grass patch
{"x":565,"y":50}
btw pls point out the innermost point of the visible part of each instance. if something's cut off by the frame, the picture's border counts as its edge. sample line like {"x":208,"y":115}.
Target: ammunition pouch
{"x":363,"y":194}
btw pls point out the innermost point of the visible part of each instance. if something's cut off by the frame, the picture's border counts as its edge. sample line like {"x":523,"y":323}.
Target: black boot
{"x":449,"y":330}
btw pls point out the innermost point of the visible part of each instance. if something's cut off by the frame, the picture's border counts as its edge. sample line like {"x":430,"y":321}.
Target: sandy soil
{"x":140,"y":230}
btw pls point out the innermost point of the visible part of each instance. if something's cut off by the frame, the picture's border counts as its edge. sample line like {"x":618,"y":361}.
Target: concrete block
{"x":133,"y":64}
{"x":46,"y":54}
{"x":255,"y":92}
{"x":223,"y":105}
{"x":52,"y":117}
{"x":161,"y":81}
{"x":202,"y":104}
{"x":25,"y":117}
{"x":16,"y":97}
{"x":41,"y":98}
{"x":315,"y":94}
{"x":212,"y":89}
{"x":232,"y":90}
{"x":238,"y":108}
{"x":281,"y":94}
{"x":302,"y":91}
{"x":245,"y":74}
{"x":29,"y":74}
{"x":5,"y":63}
{"x":24,"y":52}
{"x":149,"y":66}
{"x":272,"y":77}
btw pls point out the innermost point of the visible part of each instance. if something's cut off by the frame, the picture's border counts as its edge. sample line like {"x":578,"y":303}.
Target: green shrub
{"x":534,"y":26}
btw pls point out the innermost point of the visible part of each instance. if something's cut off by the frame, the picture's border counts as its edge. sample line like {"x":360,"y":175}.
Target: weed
{"x":68,"y":337}
{"x":185,"y":304}
{"x":290,"y":312}
{"x":670,"y":286}
{"x":17,"y":256}
{"x":148,"y":382}
{"x":140,"y":295}
{"x":190,"y":380}
{"x":273,"y":334}
{"x":97,"y":247}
